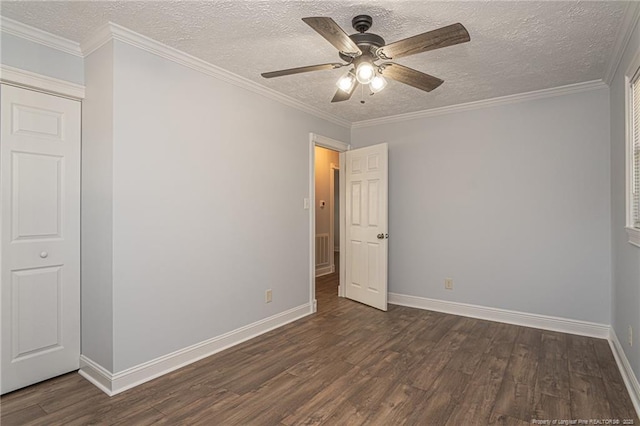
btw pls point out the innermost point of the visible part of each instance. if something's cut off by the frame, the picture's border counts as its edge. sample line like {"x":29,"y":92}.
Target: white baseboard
{"x":325,"y":270}
{"x":564,"y":325}
{"x":114,"y":383}
{"x":629,"y":377}
{"x":96,"y":374}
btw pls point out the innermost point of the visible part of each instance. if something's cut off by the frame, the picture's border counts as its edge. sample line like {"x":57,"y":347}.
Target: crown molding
{"x":629,"y":22}
{"x":18,"y":29}
{"x":101,"y":36}
{"x":112,"y":31}
{"x":43,"y":83}
{"x":486,"y":103}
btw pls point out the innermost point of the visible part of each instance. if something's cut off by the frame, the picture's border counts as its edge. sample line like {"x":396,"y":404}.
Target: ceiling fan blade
{"x":341,"y":95}
{"x":335,"y":35}
{"x":409,"y":76}
{"x":301,"y":70}
{"x":442,"y":37}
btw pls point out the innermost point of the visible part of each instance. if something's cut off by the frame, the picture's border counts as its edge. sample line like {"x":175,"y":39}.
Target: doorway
{"x":326,"y":162}
{"x":322,"y":234}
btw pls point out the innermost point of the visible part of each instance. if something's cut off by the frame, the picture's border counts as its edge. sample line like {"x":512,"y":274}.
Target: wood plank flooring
{"x":353,"y":365}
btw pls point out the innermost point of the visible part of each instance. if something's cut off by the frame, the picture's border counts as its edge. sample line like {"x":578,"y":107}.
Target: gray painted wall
{"x":626,"y":258}
{"x":512,"y":202}
{"x":97,"y":208}
{"x":27,"y":55}
{"x":208,"y":184}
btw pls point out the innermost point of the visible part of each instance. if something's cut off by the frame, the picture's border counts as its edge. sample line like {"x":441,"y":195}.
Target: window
{"x":633,"y":158}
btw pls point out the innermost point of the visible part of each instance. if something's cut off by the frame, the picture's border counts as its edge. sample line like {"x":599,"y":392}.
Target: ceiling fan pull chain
{"x":362,"y":93}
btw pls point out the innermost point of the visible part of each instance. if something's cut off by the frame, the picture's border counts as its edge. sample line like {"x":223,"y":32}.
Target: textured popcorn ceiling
{"x":515,"y":46}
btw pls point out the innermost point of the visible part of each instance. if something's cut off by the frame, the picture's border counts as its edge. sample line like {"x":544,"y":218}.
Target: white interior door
{"x":40,"y":236}
{"x":366,"y":225}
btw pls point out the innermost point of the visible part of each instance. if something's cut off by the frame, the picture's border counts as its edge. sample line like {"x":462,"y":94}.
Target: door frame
{"x":332,"y":195}
{"x":341,"y":148}
{"x":41,"y":83}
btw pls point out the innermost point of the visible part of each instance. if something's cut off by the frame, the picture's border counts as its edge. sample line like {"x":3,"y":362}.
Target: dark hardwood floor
{"x":349,"y":365}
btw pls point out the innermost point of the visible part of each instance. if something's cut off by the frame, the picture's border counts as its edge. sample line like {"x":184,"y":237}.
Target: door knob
{"x":380,"y":236}
{"x":44,"y":254}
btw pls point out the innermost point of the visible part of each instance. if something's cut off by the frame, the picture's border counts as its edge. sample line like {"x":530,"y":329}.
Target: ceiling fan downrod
{"x":362,"y":23}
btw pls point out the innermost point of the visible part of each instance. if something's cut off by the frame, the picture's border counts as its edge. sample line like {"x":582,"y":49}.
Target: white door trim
{"x":332,"y":194}
{"x":341,"y":147}
{"x":342,"y":217}
{"x":41,"y":83}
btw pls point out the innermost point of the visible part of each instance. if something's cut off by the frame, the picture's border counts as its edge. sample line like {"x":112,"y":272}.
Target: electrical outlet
{"x":630,"y":336}
{"x":268,"y":296}
{"x":448,"y":283}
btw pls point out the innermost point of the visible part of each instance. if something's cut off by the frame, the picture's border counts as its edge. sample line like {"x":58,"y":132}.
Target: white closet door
{"x":40,"y":236}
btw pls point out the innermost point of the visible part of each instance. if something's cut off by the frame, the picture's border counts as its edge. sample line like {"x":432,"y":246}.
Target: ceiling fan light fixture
{"x":377,"y":83}
{"x":360,"y":52}
{"x":365,"y":72}
{"x":346,"y":82}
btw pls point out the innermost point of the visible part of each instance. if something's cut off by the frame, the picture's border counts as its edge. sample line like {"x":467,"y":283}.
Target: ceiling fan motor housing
{"x":367,"y":42}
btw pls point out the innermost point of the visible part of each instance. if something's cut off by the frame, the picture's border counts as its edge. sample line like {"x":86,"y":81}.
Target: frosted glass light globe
{"x":346,"y":82}
{"x":365,"y":73}
{"x":377,"y":83}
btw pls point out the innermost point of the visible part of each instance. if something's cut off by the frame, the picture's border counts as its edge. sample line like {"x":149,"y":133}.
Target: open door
{"x":366,"y":225}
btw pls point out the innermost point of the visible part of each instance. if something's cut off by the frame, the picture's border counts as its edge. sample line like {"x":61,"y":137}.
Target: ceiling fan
{"x":362,"y":50}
